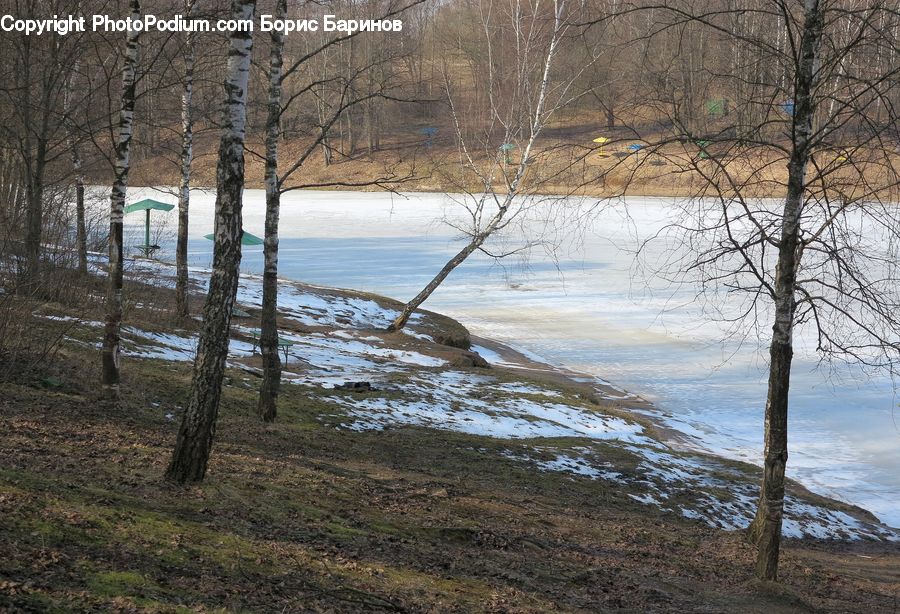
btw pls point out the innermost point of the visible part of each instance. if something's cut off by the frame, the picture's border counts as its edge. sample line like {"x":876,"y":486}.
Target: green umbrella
{"x":246,"y":239}
{"x":148,"y":204}
{"x":704,"y":155}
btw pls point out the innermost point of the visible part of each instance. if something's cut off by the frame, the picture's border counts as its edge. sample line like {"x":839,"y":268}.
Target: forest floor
{"x":443,"y":486}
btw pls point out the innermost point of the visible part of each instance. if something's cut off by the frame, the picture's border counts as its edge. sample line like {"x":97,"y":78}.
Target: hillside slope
{"x":439,"y":486}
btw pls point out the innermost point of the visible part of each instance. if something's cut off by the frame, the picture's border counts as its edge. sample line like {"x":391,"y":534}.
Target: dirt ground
{"x":300,"y":516}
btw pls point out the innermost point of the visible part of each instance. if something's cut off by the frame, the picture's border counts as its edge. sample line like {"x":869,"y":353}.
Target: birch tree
{"x":524,"y":91}
{"x":268,"y":340}
{"x":766,"y":527}
{"x":114,"y":296}
{"x":182,"y":307}
{"x":77,"y":171}
{"x":822,"y":259}
{"x":198,"y":427}
{"x":276,"y":177}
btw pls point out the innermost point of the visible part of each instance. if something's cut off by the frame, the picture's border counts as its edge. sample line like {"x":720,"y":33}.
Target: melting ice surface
{"x":585,"y":310}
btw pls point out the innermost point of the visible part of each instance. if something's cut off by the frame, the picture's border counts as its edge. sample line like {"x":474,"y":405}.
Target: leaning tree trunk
{"x":401,"y":320}
{"x":111,"y":340}
{"x":182,"y":306}
{"x":474,"y":243}
{"x":268,"y":338}
{"x":765,"y":530}
{"x":195,"y":437}
{"x":537,"y":119}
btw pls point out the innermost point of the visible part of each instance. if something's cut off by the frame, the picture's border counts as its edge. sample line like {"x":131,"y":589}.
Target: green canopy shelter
{"x":717,"y":107}
{"x":246,"y":238}
{"x":148,"y":205}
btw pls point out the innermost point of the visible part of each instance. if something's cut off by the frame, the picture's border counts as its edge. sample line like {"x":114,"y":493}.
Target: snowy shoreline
{"x":551,"y":418}
{"x":587,"y":312}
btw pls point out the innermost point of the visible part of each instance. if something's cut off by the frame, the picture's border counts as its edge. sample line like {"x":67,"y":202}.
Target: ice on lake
{"x":583,"y":309}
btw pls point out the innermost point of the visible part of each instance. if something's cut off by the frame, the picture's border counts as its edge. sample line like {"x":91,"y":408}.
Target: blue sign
{"x":429,"y":132}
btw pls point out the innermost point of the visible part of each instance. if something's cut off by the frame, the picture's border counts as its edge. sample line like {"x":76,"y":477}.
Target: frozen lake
{"x":584,"y":310}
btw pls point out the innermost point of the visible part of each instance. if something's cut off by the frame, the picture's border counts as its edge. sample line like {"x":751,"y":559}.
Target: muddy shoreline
{"x":640,"y":409}
{"x":605,"y":392}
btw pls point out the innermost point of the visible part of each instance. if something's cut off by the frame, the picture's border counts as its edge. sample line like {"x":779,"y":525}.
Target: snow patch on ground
{"x":569,"y":463}
{"x":706,"y":489}
{"x":693,"y":485}
{"x":517,"y":388}
{"x":459,"y":401}
{"x":168,"y":346}
{"x":306,"y":308}
{"x":354,"y":347}
{"x":490,"y":355}
{"x":79,"y":321}
{"x":331,"y":359}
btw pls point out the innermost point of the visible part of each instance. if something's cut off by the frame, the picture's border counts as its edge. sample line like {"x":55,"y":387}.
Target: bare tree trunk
{"x":34,"y":219}
{"x":765,"y":530}
{"x":75,"y":153}
{"x":34,"y":173}
{"x":268,"y":338}
{"x":182,"y":297}
{"x":401,"y":320}
{"x":36,"y":167}
{"x":352,"y":117}
{"x":352,"y":134}
{"x":321,"y":102}
{"x":368,"y":114}
{"x":111,"y":340}
{"x":536,"y":118}
{"x":80,"y":226}
{"x":195,"y":437}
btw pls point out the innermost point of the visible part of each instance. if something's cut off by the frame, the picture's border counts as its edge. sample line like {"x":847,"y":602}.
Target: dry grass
{"x":564,"y":163}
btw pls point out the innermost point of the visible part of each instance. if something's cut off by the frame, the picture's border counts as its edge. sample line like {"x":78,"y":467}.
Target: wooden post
{"x":147,"y":234}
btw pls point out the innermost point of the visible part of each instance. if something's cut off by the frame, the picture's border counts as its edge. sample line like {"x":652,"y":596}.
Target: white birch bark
{"x":114,"y":298}
{"x":195,"y":437}
{"x":182,"y":306}
{"x":268,"y":339}
{"x":766,"y":527}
